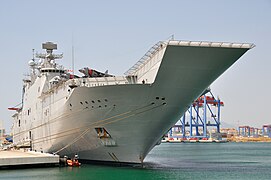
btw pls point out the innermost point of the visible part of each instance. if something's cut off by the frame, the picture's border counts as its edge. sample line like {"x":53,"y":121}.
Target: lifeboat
{"x":14,"y":109}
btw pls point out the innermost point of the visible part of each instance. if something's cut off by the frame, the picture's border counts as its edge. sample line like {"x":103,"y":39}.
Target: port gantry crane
{"x":203,"y":105}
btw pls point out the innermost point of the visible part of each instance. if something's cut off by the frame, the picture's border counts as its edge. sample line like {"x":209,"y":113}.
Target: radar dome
{"x":31,"y":63}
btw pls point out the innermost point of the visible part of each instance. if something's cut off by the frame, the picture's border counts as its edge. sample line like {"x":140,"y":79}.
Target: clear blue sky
{"x":113,"y":35}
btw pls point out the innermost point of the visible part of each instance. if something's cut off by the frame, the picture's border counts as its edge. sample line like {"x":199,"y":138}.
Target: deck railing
{"x":149,"y":54}
{"x":161,"y":44}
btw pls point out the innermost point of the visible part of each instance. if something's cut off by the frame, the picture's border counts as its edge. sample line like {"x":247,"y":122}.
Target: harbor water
{"x":171,"y":161}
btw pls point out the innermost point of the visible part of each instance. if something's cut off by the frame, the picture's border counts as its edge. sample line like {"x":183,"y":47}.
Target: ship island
{"x":109,"y":118}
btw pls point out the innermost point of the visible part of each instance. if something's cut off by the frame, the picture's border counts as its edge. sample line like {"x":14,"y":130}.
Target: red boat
{"x":73,"y":163}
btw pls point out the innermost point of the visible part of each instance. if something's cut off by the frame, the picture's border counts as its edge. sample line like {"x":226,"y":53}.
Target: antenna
{"x":73,"y":84}
{"x":33,"y":50}
{"x":72,"y":56}
{"x":32,"y":64}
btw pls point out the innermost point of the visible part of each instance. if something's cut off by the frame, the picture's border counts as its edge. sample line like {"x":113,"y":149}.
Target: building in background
{"x":2,"y":130}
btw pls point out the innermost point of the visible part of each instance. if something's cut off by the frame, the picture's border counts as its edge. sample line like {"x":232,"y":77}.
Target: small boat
{"x":73,"y":162}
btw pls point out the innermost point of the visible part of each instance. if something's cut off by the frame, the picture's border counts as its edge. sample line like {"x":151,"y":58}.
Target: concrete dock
{"x":20,"y":159}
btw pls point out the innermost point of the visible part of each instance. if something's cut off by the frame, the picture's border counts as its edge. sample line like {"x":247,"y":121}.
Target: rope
{"x":79,"y":128}
{"x":88,"y":129}
{"x":62,"y":117}
{"x":74,"y":141}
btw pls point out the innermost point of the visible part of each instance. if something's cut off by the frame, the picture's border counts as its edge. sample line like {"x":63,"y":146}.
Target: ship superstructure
{"x":103,"y":117}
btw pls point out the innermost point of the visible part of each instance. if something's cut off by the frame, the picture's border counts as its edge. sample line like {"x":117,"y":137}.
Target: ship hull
{"x":134,"y":119}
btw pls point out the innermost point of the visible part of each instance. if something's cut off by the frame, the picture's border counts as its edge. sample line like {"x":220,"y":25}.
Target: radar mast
{"x":48,"y":58}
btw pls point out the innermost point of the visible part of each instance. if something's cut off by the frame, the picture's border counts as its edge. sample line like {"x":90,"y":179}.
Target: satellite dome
{"x":31,"y":62}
